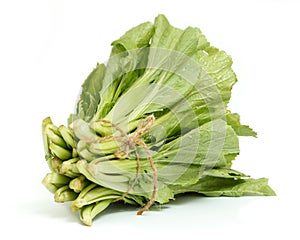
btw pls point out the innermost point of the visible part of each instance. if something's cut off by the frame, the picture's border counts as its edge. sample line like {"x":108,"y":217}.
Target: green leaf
{"x":209,"y":98}
{"x":90,"y":95}
{"x":230,"y":187}
{"x":127,"y":53}
{"x":137,"y":37}
{"x":169,"y":53}
{"x":233,"y":119}
{"x":225,"y":173}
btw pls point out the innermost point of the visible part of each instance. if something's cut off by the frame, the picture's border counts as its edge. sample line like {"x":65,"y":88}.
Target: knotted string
{"x":131,"y":141}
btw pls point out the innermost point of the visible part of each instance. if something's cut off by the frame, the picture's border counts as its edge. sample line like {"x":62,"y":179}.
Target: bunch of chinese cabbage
{"x":150,"y":124}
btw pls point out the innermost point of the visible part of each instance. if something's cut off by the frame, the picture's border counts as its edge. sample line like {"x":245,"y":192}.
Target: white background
{"x":47,"y":48}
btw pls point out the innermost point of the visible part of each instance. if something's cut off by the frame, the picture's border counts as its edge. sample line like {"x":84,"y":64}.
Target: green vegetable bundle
{"x":150,"y":124}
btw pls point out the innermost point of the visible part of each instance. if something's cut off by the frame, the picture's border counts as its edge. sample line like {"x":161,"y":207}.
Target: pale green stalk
{"x":45,"y":123}
{"x":89,"y":212}
{"x":67,"y":136}
{"x":60,"y":152}
{"x":95,"y":195}
{"x":69,"y":168}
{"x":53,"y":181}
{"x":81,"y":195}
{"x":54,"y":164}
{"x":55,"y":137}
{"x":64,"y":194}
{"x":77,"y":184}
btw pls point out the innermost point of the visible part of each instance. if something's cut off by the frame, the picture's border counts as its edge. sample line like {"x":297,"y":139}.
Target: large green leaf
{"x":90,"y":95}
{"x":122,"y":67}
{"x":231,"y":187}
